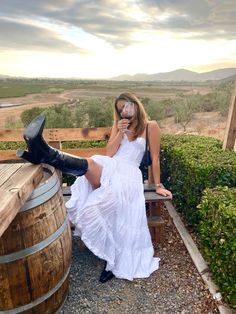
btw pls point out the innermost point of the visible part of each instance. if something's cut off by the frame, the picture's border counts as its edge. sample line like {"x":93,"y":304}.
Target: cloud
{"x":192,"y":8}
{"x":202,"y":19}
{"x":112,"y":21}
{"x":22,"y":36}
{"x":99,"y":18}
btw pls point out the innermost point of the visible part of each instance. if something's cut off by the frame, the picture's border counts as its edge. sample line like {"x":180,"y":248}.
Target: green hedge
{"x":84,"y":144}
{"x":191,"y":163}
{"x":217,"y":231}
{"x":197,"y":170}
{"x":12,"y":145}
{"x":65,"y":145}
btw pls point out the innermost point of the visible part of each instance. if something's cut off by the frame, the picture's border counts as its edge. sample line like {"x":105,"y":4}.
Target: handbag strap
{"x":146,"y":137}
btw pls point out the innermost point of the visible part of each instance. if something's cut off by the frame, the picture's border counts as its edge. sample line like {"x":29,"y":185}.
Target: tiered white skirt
{"x":111,"y":220}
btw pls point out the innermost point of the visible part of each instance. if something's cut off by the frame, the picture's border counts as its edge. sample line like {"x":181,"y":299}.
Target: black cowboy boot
{"x":40,"y":152}
{"x":34,"y":129}
{"x":106,"y":275}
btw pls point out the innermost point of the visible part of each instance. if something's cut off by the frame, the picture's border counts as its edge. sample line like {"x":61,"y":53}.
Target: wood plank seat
{"x":149,"y":192}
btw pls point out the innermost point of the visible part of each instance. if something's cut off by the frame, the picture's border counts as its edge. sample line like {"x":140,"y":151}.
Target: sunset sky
{"x":106,"y":38}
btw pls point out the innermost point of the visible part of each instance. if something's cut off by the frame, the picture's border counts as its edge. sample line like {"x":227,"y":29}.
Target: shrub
{"x":84,"y":144}
{"x":29,"y":114}
{"x":189,"y":164}
{"x":13,"y":123}
{"x":217,"y":230}
{"x":184,"y":110}
{"x":59,"y":116}
{"x":94,"y":113}
{"x":12,"y":145}
{"x":158,"y":110}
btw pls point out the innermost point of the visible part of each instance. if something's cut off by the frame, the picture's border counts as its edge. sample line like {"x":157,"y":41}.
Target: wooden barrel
{"x":35,"y":253}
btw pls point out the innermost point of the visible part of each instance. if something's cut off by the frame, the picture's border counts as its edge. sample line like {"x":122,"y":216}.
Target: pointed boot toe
{"x":35,"y":128}
{"x":105,"y":276}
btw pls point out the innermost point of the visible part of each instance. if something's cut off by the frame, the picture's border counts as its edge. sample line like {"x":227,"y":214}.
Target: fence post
{"x":230,"y":131}
{"x":55,"y":144}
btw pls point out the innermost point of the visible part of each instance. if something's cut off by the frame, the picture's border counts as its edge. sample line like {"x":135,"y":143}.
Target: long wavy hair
{"x":140,"y":114}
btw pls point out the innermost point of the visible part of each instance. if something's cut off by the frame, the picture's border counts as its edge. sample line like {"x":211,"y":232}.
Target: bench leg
{"x":156,"y":228}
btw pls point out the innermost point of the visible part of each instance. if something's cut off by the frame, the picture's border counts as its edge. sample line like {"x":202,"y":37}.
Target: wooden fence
{"x":55,"y":137}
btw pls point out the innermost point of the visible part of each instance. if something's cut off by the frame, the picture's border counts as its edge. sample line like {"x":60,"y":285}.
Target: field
{"x":19,"y":95}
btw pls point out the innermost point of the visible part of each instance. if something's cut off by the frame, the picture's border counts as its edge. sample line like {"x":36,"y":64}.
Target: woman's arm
{"x":114,"y":141}
{"x":154,"y":136}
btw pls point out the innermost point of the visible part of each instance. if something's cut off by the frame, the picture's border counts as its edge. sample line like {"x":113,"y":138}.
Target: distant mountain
{"x":173,"y":76}
{"x":180,"y":75}
{"x":231,"y":78}
{"x":3,"y":76}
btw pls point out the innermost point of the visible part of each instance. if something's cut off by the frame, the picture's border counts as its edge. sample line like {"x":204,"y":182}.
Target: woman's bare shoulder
{"x":153,"y":125}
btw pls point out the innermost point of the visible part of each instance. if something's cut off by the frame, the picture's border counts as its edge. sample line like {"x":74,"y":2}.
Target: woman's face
{"x":126,"y":109}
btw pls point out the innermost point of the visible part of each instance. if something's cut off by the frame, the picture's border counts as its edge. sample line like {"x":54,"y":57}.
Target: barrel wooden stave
{"x":37,"y":283}
{"x":33,"y":226}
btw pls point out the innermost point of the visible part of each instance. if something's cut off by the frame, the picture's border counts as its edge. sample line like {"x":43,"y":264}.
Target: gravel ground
{"x":175,"y":288}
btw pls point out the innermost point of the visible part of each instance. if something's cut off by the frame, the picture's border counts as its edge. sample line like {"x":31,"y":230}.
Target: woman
{"x":107,"y":205}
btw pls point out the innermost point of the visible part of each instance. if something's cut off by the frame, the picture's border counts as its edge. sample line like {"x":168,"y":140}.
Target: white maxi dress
{"x":111,"y":220}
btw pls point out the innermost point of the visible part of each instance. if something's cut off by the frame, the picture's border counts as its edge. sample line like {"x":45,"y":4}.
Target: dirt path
{"x":27,"y":102}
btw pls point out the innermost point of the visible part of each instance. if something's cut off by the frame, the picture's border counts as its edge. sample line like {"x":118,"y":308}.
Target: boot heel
{"x":26,"y":155}
{"x":35,"y":128}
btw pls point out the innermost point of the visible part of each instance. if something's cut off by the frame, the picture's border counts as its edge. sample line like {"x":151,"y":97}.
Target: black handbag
{"x":147,"y":160}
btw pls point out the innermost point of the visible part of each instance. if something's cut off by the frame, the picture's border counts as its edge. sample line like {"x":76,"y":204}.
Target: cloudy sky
{"x":105,"y":38}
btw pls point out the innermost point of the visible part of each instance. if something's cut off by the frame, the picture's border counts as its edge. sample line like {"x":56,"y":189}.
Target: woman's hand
{"x":163,"y":192}
{"x":122,"y":125}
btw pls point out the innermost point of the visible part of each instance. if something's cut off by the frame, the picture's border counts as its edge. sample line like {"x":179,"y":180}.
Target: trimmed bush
{"x":84,"y":144}
{"x":191,"y":163}
{"x":217,"y":231}
{"x":12,"y":145}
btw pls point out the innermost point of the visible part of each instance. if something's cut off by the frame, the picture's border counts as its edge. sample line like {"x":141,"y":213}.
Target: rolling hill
{"x":180,"y":75}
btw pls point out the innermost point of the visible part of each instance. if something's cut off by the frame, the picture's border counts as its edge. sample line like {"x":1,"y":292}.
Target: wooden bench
{"x":55,"y":137}
{"x":154,"y":204}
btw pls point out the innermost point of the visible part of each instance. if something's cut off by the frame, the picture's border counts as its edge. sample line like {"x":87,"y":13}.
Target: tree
{"x":155,"y":110}
{"x":94,"y":113}
{"x":184,"y":110}
{"x":59,"y":116}
{"x":29,"y":114}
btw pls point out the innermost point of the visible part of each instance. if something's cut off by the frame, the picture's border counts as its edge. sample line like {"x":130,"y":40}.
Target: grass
{"x":23,"y":87}
{"x":18,"y":88}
